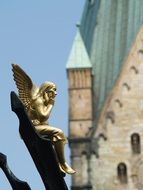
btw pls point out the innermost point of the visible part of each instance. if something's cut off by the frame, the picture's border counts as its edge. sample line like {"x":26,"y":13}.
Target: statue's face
{"x":51,"y":92}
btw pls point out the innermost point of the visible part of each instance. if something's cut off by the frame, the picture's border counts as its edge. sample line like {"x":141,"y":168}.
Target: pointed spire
{"x":78,"y":56}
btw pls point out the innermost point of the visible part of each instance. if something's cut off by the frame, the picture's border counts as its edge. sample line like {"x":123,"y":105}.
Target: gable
{"x":124,"y":105}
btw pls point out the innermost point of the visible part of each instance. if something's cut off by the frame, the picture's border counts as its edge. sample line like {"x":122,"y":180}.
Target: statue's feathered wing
{"x":25,"y":86}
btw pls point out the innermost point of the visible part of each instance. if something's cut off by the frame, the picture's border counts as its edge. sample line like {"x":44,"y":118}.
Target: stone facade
{"x":121,"y":122}
{"x":80,"y":114}
{"x":80,"y":101}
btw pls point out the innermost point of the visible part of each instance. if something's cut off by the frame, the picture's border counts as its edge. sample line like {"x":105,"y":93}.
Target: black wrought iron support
{"x":15,"y":183}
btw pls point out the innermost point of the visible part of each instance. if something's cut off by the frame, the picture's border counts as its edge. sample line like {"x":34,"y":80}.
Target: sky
{"x":38,"y":36}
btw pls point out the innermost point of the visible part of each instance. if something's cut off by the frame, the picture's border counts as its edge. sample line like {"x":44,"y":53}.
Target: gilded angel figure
{"x":38,"y":102}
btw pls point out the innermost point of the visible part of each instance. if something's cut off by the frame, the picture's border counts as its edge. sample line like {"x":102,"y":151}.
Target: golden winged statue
{"x":39,"y":102}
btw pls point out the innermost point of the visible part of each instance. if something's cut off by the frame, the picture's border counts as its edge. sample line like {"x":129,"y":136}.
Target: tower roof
{"x":78,"y":56}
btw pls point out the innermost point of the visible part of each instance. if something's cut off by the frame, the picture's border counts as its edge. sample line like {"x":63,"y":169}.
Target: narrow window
{"x":122,"y":173}
{"x":135,"y":143}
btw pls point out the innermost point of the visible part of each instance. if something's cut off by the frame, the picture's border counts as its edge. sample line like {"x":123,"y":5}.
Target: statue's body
{"x":39,"y":102}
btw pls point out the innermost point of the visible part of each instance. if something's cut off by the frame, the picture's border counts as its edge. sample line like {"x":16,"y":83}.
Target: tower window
{"x":122,"y":173}
{"x":135,"y":143}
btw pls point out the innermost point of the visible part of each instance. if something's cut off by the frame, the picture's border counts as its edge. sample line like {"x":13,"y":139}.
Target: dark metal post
{"x":41,"y":149}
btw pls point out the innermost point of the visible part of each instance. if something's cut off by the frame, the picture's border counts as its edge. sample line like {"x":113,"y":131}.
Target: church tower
{"x":98,"y":138}
{"x":79,"y":72}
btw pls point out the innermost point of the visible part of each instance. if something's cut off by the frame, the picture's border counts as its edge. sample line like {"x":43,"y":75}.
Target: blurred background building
{"x":105,"y":75}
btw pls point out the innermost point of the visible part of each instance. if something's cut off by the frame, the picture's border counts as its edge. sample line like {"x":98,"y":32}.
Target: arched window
{"x":135,"y":143}
{"x":122,"y":173}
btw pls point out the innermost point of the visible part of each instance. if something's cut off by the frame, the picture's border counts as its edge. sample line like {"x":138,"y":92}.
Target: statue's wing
{"x":24,"y":84}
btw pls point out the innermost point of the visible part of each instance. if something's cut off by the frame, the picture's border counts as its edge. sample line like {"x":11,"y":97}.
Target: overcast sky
{"x":38,"y":36}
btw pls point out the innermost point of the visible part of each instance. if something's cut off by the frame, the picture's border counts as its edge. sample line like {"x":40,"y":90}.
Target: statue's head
{"x":49,"y":88}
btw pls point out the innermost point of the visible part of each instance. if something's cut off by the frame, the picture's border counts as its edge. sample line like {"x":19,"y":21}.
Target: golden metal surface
{"x":39,"y":102}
